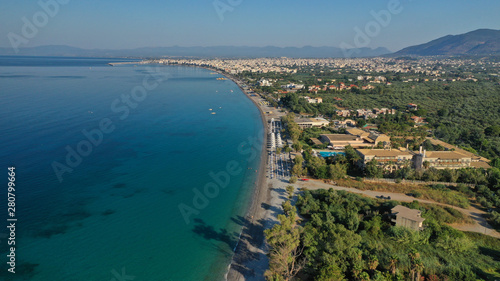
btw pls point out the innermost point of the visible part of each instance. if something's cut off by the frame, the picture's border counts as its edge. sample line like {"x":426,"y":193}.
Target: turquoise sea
{"x":133,"y":146}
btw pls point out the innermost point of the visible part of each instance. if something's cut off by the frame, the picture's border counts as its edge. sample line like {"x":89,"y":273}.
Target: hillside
{"x":478,"y":42}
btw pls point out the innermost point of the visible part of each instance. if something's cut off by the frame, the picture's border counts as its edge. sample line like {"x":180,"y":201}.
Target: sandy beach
{"x":250,"y":261}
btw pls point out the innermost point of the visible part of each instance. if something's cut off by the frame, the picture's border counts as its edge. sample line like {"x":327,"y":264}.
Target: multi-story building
{"x":390,"y":160}
{"x":407,"y":217}
{"x":312,"y":122}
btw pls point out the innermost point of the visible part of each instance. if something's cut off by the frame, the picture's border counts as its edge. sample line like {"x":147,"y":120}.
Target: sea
{"x":125,"y":172}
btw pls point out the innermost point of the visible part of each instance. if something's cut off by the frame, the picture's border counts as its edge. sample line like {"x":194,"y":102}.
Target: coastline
{"x":252,"y":233}
{"x":250,"y":259}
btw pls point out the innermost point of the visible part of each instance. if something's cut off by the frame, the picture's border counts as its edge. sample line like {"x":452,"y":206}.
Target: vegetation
{"x":350,"y":237}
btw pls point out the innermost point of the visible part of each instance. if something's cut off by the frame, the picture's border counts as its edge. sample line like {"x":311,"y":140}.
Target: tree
{"x":285,"y":251}
{"x":364,"y":276}
{"x":287,"y":207}
{"x":372,"y":169}
{"x":352,"y":156}
{"x":297,"y":146}
{"x":416,"y":265}
{"x":330,"y":272}
{"x":297,"y":168}
{"x":290,"y":189}
{"x":361,"y":123}
{"x":317,"y":167}
{"x":393,"y":262}
{"x":337,"y":171}
{"x":372,"y":263}
{"x":492,"y":131}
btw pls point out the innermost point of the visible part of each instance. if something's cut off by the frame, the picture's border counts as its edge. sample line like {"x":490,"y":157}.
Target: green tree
{"x":352,"y":156}
{"x":297,"y":168}
{"x":297,"y":146}
{"x":393,"y":264}
{"x":372,"y":263}
{"x":285,"y":251}
{"x":290,"y":189}
{"x":330,"y":272}
{"x":337,"y":171}
{"x":361,"y":123}
{"x":373,"y":170}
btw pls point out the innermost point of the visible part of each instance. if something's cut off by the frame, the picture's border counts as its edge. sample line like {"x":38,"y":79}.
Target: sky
{"x":127,"y":24}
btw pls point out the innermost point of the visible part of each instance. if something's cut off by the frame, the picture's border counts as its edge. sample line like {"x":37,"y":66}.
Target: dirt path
{"x":480,"y":224}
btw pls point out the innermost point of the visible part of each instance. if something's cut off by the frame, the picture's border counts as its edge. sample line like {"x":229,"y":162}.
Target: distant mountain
{"x":218,"y":51}
{"x":478,"y":42}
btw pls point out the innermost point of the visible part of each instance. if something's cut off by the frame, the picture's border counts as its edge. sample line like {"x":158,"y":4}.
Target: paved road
{"x":480,"y":224}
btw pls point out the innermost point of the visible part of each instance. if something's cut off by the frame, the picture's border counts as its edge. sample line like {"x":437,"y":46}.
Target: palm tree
{"x":418,"y":266}
{"x":393,"y":261}
{"x":372,"y":263}
{"x":415,"y":264}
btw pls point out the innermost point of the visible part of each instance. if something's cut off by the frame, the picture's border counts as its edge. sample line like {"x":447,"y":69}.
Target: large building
{"x":390,"y":160}
{"x":446,"y":159}
{"x":394,"y":159}
{"x":312,"y":122}
{"x":371,"y":138}
{"x":340,"y":141}
{"x":356,"y":138}
{"x":407,"y":217}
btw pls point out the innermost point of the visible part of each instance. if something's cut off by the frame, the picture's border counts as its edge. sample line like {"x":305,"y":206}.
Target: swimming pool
{"x":325,"y":154}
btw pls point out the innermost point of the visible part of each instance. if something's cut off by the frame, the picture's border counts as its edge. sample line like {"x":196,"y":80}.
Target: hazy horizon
{"x":128,"y":25}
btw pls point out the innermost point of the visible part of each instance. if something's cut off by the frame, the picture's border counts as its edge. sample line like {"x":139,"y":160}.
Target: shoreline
{"x":250,"y":232}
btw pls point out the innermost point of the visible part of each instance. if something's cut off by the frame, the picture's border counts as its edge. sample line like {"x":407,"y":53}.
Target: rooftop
{"x":408,"y":213}
{"x":445,"y":155}
{"x":341,"y":137}
{"x":384,"y":152}
{"x":357,"y":132}
{"x":302,"y":120}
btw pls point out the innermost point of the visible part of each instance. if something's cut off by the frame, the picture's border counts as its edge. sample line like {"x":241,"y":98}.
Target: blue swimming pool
{"x":325,"y":154}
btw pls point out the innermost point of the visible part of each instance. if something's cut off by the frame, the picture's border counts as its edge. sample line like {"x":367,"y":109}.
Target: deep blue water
{"x":117,"y":211}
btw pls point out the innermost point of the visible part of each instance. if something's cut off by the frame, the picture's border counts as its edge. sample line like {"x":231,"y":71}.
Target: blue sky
{"x":123,"y":24}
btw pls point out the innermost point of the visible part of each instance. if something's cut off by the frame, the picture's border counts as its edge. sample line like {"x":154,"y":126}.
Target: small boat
{"x":210,"y":109}
{"x":213,"y":113}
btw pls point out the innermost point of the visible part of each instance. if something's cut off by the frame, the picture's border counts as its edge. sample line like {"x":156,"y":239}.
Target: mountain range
{"x":217,"y":51}
{"x":477,"y":42}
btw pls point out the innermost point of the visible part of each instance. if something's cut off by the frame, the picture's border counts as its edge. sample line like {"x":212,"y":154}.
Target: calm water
{"x":116,"y":215}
